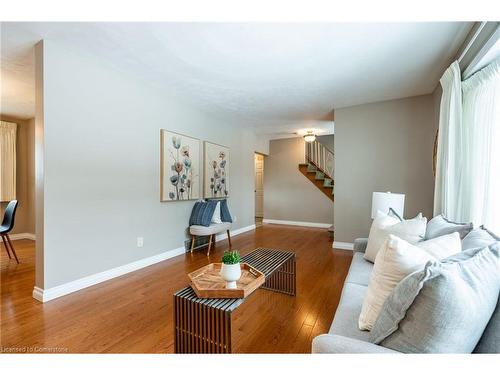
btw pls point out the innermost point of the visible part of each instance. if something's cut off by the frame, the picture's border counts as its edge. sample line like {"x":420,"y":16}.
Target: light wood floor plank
{"x":133,"y":313}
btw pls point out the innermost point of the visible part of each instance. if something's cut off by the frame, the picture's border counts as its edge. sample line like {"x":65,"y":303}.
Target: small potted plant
{"x":231,"y":270}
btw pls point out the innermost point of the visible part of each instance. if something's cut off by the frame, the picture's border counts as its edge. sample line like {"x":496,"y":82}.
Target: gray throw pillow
{"x":490,"y":340}
{"x":444,"y":308}
{"x":439,"y":226}
{"x":478,"y":237}
{"x":495,"y":236}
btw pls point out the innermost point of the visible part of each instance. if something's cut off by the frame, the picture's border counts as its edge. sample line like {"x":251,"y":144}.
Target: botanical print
{"x":216,"y":171}
{"x":180,"y":167}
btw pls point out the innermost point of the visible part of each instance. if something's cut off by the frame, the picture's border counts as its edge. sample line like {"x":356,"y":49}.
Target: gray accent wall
{"x":288,"y":194}
{"x":384,"y":146}
{"x":99,"y":139}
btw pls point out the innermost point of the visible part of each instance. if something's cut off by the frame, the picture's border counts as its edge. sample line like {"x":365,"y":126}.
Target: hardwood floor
{"x":133,"y":313}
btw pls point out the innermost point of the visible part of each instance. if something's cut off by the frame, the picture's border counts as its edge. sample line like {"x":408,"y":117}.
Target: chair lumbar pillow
{"x":216,"y":217}
{"x":443,"y":308}
{"x":396,"y":259}
{"x":224,"y":212}
{"x":202,"y":213}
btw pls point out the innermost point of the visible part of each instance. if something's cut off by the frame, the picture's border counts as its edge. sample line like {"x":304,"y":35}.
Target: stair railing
{"x":321,"y":156}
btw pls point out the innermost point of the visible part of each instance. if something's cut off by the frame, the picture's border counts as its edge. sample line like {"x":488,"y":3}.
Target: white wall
{"x":384,"y":146}
{"x":101,"y":160}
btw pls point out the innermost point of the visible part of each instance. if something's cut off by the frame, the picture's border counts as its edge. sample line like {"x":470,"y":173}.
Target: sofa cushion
{"x":439,"y":226}
{"x":360,"y":270}
{"x":335,"y":344}
{"x":345,"y":322}
{"x":201,"y":230}
{"x":443,"y":309}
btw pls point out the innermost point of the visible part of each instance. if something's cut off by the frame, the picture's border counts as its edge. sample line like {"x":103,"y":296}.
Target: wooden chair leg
{"x":209,"y":244}
{"x":12,"y":248}
{"x":229,"y":239}
{"x":6,"y":246}
{"x":193,"y":239}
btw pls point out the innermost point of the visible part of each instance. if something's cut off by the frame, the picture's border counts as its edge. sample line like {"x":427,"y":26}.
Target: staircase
{"x":318,"y":178}
{"x":318,"y":169}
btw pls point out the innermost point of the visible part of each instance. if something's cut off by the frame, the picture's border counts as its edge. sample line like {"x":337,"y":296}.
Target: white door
{"x":259,"y":185}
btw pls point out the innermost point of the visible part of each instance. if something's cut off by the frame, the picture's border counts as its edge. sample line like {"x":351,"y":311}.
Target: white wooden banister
{"x":321,"y":157}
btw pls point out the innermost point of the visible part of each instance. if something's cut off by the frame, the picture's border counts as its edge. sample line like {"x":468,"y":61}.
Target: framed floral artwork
{"x":216,"y":167}
{"x":180,"y":167}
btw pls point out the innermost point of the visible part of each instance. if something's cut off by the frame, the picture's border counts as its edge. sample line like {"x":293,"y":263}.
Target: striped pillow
{"x":224,"y":212}
{"x":193,"y":219}
{"x":208,"y":209}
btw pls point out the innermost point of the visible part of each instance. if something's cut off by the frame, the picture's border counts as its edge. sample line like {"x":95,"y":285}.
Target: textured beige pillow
{"x":396,"y":259}
{"x":411,"y":230}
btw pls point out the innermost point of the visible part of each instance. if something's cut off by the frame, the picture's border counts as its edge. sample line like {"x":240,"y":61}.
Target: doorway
{"x":259,"y":188}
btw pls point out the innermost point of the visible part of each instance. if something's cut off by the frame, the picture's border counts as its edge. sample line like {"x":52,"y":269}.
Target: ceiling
{"x":277,"y":78}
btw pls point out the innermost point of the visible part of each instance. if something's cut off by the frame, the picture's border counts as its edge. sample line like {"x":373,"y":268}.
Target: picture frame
{"x":217,"y":162}
{"x":180,"y":167}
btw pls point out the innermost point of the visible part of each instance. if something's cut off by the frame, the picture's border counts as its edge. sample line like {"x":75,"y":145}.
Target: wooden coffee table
{"x":203,"y":325}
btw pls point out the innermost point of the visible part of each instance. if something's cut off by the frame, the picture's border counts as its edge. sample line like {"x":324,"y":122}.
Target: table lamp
{"x":384,"y":201}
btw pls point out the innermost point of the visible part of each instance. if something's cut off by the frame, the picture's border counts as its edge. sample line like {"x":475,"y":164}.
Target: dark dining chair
{"x":6,"y":227}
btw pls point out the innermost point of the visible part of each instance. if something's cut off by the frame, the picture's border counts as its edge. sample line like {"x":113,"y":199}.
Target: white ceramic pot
{"x":230,"y":273}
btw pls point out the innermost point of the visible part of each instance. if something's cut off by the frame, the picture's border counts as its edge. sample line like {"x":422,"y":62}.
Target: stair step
{"x":318,"y":182}
{"x":328,"y":182}
{"x":311,"y":168}
{"x":319,"y":175}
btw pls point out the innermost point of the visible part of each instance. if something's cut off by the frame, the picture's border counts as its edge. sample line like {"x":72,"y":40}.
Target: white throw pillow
{"x":216,"y":219}
{"x":396,"y":259}
{"x":442,"y":247}
{"x":411,"y":230}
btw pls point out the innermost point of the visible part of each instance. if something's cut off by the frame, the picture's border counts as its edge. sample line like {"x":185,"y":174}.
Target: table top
{"x":263,"y":259}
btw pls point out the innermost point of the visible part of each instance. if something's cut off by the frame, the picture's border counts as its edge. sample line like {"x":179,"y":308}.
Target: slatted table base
{"x":201,"y":328}
{"x":283,"y":279}
{"x":204,"y":325}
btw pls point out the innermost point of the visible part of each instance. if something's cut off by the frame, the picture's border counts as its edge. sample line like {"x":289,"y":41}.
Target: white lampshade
{"x":384,"y":201}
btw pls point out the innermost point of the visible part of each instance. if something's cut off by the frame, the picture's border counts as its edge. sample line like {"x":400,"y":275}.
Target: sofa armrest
{"x":336,"y":344}
{"x":360,"y":244}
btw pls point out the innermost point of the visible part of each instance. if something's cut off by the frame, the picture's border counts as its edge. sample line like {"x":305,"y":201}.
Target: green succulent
{"x":231,"y":257}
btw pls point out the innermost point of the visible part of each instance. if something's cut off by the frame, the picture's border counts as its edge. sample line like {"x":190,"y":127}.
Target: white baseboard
{"x":297,"y":223}
{"x":343,"y":245}
{"x":235,"y":232}
{"x":44,"y":295}
{"x":21,"y":236}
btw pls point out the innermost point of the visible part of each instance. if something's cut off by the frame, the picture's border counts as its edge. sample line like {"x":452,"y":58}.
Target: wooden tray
{"x":207,"y":282}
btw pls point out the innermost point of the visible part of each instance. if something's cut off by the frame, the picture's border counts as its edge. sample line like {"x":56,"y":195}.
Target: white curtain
{"x":467,"y":186}
{"x":479,"y":192}
{"x":449,"y":144}
{"x":7,"y":161}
